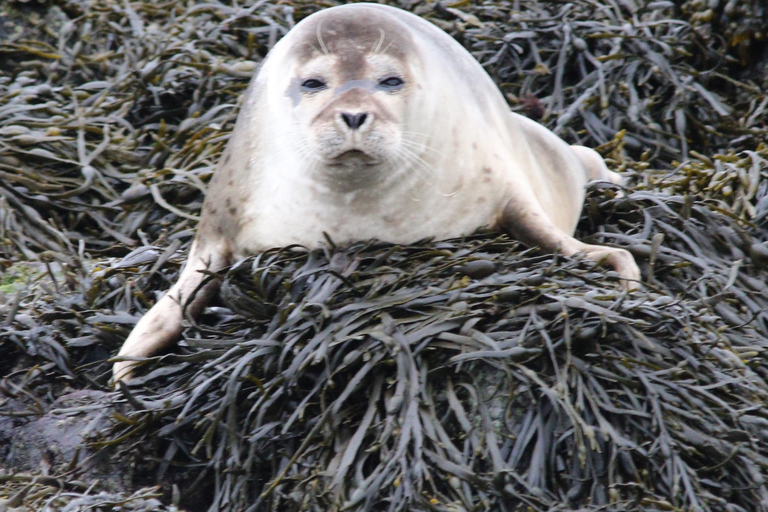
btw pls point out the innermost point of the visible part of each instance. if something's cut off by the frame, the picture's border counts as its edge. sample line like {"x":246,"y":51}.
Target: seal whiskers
{"x":366,"y":121}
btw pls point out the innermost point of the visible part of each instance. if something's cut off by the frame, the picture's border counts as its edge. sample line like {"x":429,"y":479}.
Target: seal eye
{"x":392,"y":83}
{"x":313,"y":85}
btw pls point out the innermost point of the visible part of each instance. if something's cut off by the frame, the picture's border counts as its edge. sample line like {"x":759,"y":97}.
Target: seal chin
{"x":351,"y":171}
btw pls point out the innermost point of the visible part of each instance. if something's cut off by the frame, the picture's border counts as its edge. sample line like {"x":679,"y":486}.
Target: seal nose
{"x":354,"y":121}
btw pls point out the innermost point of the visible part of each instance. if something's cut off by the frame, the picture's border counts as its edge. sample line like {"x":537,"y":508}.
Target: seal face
{"x":349,"y":95}
{"x":366,"y":121}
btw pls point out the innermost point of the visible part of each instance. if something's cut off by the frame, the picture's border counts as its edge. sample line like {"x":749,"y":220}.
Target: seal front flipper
{"x":525,"y":221}
{"x":366,"y":121}
{"x":161,"y":326}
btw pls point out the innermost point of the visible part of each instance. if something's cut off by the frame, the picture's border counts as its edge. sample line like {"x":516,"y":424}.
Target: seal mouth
{"x":352,"y":157}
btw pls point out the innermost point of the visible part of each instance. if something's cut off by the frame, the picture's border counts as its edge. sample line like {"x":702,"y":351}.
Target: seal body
{"x":366,"y":121}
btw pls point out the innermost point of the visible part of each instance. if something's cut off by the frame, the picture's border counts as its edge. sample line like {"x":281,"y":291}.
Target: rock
{"x":57,"y":441}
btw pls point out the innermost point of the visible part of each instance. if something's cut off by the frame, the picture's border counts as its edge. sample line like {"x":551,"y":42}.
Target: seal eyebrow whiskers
{"x":347,"y":164}
{"x":320,"y":38}
{"x":386,"y":48}
{"x":381,"y":41}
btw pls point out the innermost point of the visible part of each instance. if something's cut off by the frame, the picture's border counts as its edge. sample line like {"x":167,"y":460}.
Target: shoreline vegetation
{"x":452,"y":376}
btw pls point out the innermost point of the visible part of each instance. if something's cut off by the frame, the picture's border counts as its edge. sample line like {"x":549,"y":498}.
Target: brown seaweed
{"x":451,"y":375}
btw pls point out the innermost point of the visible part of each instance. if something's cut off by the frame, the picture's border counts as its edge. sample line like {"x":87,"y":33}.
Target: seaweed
{"x":470,"y":374}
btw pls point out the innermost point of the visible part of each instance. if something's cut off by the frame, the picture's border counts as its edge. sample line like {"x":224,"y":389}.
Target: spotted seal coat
{"x":366,"y":121}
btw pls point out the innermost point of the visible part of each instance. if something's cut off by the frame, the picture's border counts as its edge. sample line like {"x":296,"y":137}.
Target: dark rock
{"x":58,"y":441}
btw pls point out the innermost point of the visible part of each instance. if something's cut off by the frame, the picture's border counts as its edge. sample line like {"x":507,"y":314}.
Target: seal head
{"x":349,"y":89}
{"x":366,"y":121}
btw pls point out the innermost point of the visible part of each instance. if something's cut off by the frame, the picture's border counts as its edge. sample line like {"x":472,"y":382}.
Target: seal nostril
{"x":354,"y":121}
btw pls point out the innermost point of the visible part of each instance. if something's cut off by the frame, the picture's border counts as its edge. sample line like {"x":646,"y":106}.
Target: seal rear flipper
{"x":595,"y":165}
{"x":526,"y":222}
{"x":161,"y":326}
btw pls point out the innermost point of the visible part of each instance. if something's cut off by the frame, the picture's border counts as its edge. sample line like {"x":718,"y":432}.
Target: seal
{"x":366,"y":121}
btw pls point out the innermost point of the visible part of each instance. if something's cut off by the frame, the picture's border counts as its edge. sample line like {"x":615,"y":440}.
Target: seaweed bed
{"x":456,"y":375}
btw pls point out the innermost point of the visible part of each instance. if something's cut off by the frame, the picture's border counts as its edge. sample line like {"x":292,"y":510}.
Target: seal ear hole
{"x":313,"y":85}
{"x":392,"y":83}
